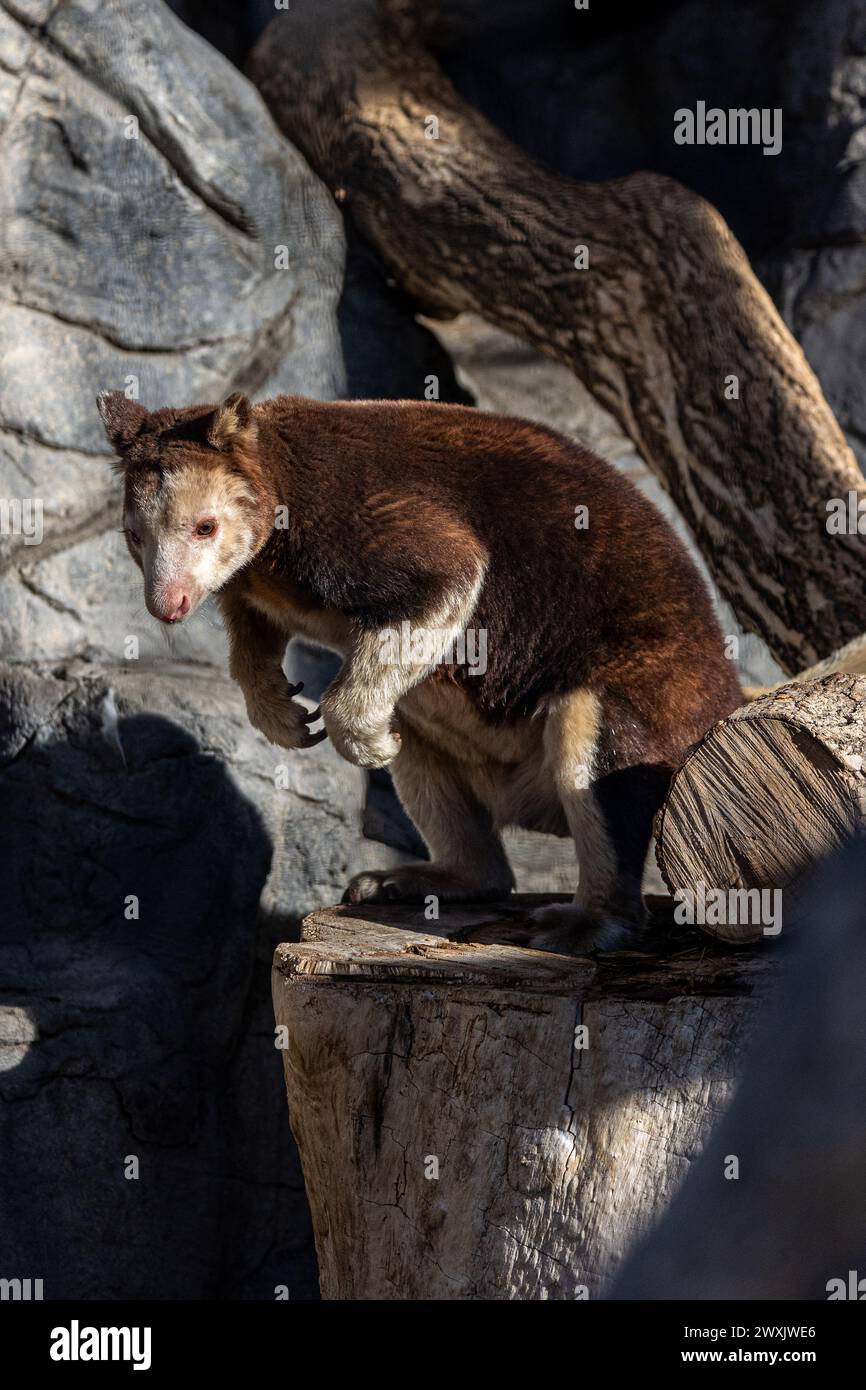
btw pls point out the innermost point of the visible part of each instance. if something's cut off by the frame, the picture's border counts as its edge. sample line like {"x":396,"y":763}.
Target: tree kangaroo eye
{"x":206,"y":528}
{"x":132,"y":536}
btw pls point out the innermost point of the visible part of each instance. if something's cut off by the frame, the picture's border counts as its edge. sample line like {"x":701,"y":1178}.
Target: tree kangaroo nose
{"x":170,"y":605}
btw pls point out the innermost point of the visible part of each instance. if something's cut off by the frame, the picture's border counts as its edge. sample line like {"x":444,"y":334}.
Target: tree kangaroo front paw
{"x":365,"y":746}
{"x":273,"y":710}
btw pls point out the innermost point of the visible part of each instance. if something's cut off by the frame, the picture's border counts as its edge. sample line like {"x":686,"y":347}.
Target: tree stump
{"x":765,"y":794}
{"x":477,"y":1120}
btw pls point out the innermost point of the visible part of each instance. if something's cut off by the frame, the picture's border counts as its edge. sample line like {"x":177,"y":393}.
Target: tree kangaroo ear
{"x":231,"y":421}
{"x":121,"y":417}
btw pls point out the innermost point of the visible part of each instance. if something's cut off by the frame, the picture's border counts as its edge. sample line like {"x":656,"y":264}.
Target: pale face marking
{"x":194,"y":531}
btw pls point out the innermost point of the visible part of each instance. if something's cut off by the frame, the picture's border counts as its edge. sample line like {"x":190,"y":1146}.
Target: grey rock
{"x":175,"y":188}
{"x":151,"y":1036}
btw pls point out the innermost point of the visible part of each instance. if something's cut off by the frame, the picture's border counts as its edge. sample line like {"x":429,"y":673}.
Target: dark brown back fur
{"x":388,"y":502}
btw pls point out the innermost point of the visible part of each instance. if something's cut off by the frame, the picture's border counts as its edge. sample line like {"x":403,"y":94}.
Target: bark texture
{"x":766,"y":793}
{"x":667,"y":310}
{"x":456,"y":1143}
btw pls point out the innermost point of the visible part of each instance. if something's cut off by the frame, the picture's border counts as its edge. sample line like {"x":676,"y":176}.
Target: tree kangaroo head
{"x":192,"y":502}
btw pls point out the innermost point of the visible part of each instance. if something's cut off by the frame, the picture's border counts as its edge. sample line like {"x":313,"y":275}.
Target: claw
{"x":310,"y":740}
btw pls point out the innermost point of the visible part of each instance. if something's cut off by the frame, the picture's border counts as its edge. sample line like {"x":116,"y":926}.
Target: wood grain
{"x":767,"y":793}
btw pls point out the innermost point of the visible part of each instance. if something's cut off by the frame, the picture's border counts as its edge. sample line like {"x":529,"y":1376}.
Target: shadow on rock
{"x":145,"y":1147}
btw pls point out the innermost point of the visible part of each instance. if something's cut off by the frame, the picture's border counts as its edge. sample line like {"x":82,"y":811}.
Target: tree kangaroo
{"x":400,"y":534}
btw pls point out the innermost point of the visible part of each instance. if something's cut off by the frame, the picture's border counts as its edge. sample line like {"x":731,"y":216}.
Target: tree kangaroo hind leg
{"x":468,"y":861}
{"x":610,"y":816}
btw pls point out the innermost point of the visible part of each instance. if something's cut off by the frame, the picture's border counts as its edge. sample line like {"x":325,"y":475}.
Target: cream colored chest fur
{"x":504,"y":764}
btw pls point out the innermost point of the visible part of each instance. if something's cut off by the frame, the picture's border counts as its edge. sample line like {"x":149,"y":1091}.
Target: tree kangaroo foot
{"x":414,"y":883}
{"x":571,"y":930}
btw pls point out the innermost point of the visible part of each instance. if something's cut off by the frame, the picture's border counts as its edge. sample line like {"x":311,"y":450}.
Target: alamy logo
{"x":846,"y":516}
{"x":22,"y":516}
{"x":77,"y":1343}
{"x":854,"y":1288}
{"x":409,"y":645}
{"x":737,"y":126}
{"x":716,"y":907}
{"x":20,"y":1290}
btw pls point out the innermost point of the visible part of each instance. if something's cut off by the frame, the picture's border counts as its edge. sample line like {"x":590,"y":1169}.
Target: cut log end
{"x":767,"y":793}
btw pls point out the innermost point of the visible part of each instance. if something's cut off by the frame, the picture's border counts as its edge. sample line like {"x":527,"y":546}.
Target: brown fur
{"x":448,"y":517}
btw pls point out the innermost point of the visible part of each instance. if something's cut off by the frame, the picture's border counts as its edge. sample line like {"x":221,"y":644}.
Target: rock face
{"x":144,"y":823}
{"x":159,"y":236}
